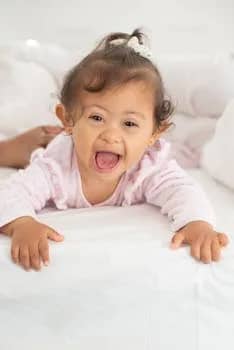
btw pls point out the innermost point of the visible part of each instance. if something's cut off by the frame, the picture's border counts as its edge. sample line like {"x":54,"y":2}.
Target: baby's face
{"x":113,"y":130}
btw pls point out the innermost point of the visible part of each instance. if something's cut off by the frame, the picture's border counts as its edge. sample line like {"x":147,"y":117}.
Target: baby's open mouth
{"x":106,"y":160}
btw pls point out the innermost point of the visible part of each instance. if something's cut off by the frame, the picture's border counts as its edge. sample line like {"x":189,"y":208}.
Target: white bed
{"x":114,"y":284}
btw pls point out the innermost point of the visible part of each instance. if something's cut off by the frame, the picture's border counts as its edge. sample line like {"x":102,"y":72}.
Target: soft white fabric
{"x":2,"y":137}
{"x":55,"y":59}
{"x":25,"y":95}
{"x":218,"y":153}
{"x":200,"y":85}
{"x":188,"y":136}
{"x":115,"y":284}
{"x":31,"y":75}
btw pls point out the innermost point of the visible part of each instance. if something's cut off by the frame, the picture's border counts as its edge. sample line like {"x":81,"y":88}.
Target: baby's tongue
{"x":106,"y":160}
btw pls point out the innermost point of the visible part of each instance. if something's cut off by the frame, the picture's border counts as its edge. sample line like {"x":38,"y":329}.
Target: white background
{"x":173,"y":26}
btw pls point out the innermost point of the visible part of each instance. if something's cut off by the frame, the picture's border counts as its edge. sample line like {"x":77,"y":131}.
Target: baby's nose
{"x":111,"y":136}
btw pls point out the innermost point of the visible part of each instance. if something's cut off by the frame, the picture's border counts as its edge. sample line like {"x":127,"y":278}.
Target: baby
{"x":114,"y":114}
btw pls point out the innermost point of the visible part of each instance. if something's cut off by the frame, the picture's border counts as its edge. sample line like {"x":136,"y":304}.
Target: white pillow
{"x":218,"y":153}
{"x":26,"y":95}
{"x":55,"y":59}
{"x":200,"y":85}
{"x":188,"y":136}
{"x":31,"y":75}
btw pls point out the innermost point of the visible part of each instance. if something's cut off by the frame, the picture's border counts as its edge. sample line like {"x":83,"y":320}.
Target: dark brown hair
{"x":110,"y":65}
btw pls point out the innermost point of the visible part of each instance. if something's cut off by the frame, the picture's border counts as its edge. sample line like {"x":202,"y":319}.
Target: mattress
{"x":114,"y":283}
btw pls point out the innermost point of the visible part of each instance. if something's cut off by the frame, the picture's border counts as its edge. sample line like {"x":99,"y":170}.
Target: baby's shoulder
{"x":153,"y":161}
{"x":156,"y":155}
{"x":60,"y":150}
{"x":141,"y":176}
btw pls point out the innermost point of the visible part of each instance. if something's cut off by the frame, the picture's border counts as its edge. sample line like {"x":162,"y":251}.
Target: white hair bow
{"x":141,"y":49}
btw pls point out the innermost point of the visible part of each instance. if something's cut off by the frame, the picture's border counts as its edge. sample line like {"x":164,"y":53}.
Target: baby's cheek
{"x":80,"y":144}
{"x":141,"y":146}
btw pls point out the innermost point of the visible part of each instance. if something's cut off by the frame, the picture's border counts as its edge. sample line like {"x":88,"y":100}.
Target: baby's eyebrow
{"x":141,"y":115}
{"x":97,"y":106}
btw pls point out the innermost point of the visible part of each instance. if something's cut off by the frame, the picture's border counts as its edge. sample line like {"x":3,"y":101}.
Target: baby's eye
{"x":96,"y":117}
{"x":130,"y":124}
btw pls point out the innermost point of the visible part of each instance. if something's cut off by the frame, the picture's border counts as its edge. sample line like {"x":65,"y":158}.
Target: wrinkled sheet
{"x":114,"y":283}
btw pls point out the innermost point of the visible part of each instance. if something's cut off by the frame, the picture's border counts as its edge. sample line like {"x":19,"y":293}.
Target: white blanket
{"x":115,"y":284}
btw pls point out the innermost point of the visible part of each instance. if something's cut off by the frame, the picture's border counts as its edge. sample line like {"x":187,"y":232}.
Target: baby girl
{"x":114,"y":113}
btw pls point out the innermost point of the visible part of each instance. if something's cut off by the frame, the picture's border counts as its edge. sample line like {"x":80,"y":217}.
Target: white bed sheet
{"x":115,"y":284}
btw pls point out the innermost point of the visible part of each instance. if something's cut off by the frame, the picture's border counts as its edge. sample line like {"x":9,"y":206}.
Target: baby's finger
{"x":196,"y":249}
{"x":34,"y":256}
{"x":52,"y":129}
{"x":54,"y":236}
{"x":215,"y":249}
{"x":205,"y":254}
{"x":177,"y":240}
{"x":24,"y":257}
{"x":223,"y":239}
{"x":15,"y":253}
{"x":44,"y":251}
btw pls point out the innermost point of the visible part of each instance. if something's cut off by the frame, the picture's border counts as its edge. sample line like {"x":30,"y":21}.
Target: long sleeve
{"x":45,"y":179}
{"x":24,"y":193}
{"x":178,"y":196}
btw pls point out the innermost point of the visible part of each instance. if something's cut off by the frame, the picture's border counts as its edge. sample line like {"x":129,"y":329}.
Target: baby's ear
{"x":164,"y":127}
{"x":64,"y":117}
{"x":61,"y":113}
{"x":158,"y":133}
{"x":154,"y":137}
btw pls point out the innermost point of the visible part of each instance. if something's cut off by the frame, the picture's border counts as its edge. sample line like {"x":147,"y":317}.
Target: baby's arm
{"x":188,"y":209}
{"x":21,"y":197}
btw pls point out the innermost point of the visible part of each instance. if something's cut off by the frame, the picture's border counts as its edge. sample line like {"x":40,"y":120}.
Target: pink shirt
{"x":53,"y":176}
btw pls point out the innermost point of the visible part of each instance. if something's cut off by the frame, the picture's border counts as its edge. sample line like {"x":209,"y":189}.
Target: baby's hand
{"x":30,"y":242}
{"x":205,"y":243}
